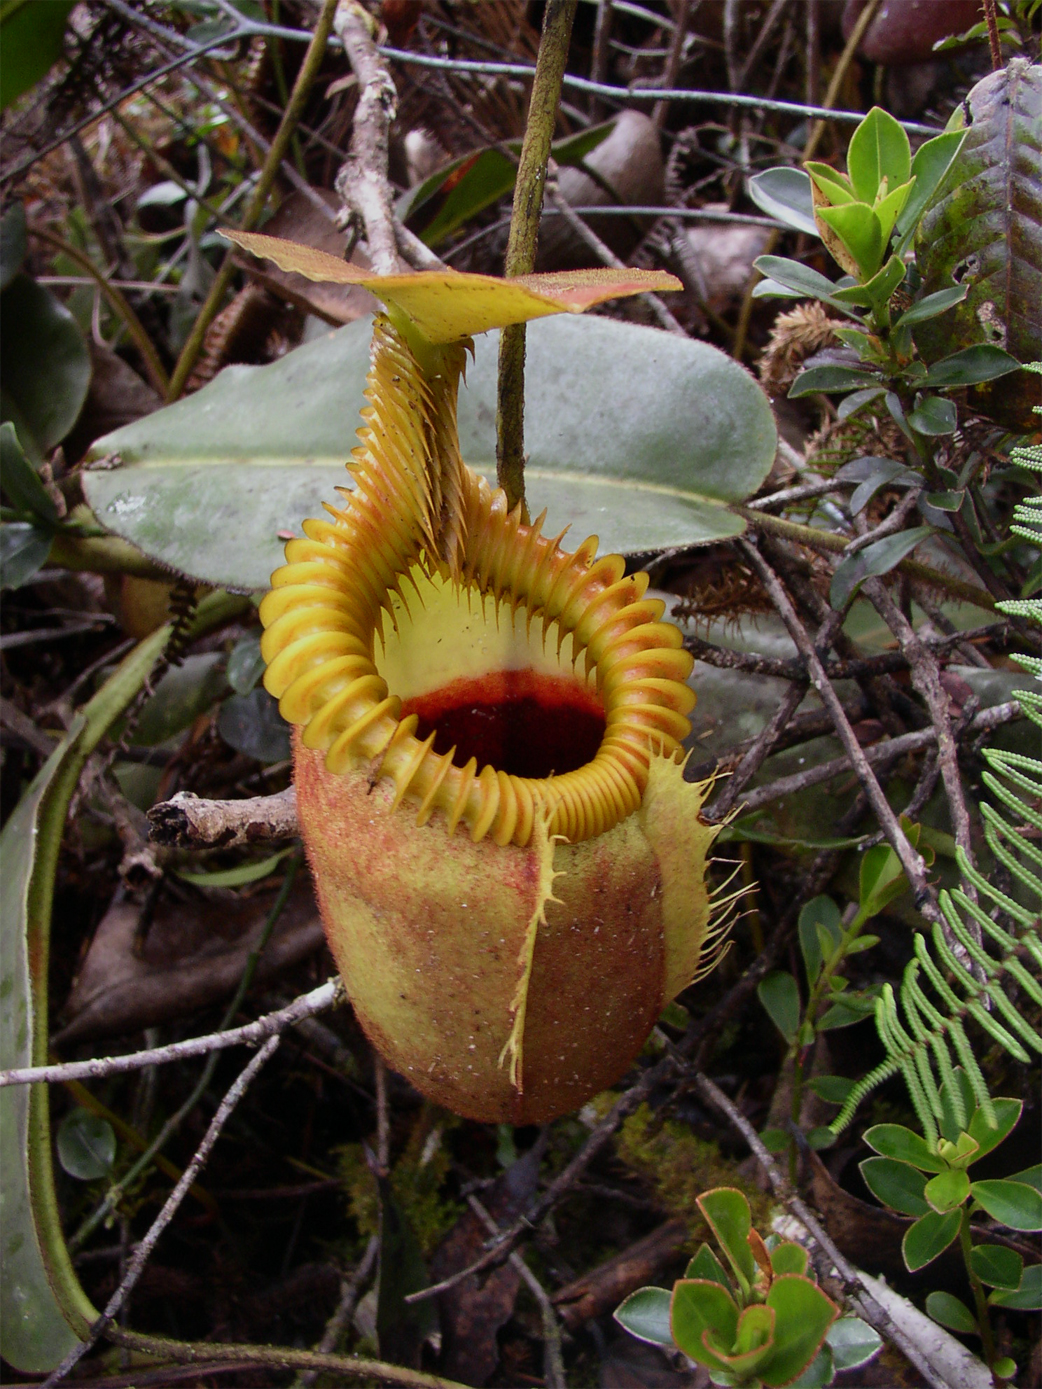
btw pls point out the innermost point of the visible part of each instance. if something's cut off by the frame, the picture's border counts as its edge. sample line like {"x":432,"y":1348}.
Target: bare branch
{"x":272,"y":1024}
{"x":186,"y":821}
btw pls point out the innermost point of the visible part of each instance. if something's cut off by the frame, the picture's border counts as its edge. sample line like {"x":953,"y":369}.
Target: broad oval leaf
{"x":997,"y":1266}
{"x":727,"y":1214}
{"x":45,"y":366}
{"x":951,"y":1312}
{"x":878,"y":558}
{"x":803,"y":1315}
{"x":645,"y":1314}
{"x":1027,"y":1297}
{"x":785,"y":193}
{"x":86,"y":1145}
{"x":632,"y":434}
{"x":896,"y":1141}
{"x":898,"y":1185}
{"x":929,"y":1236}
{"x":1014,"y":1204}
{"x":780,"y":996}
{"x":987,"y":1136}
{"x":699,"y":1306}
{"x":948,"y":1190}
{"x":853,"y":1342}
{"x":878,"y":149}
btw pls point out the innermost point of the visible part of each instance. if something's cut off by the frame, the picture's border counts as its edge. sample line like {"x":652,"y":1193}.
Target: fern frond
{"x":924,"y":1033}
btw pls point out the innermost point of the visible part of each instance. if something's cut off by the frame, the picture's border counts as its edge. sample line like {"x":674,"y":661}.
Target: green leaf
{"x":970,"y":366}
{"x":207,"y":484}
{"x":819,"y":1373}
{"x":1014,"y":1204}
{"x":930,"y":163}
{"x":818,"y":912}
{"x":86,"y":1145}
{"x":858,"y":227}
{"x":1031,"y":1175}
{"x":245,"y":664}
{"x":789,"y":1257}
{"x":775,"y":1140}
{"x":830,"y":378}
{"x":43,"y":1310}
{"x":727,"y":1214}
{"x":934,"y":416}
{"x":948,"y":1190}
{"x":1007,"y":1115}
{"x":831,"y":1089}
{"x":1026,"y":1298}
{"x":401,"y":1327}
{"x":31,"y":42}
{"x":480,"y":178}
{"x":800,"y":279}
{"x":784,"y":193}
{"x":871,"y":473}
{"x":882,"y":879}
{"x":996,"y":1266}
{"x":699,"y":1306}
{"x":20,"y":480}
{"x":780,"y":996}
{"x":44,"y":366}
{"x":853,"y":1343}
{"x":878,"y":558}
{"x":252,"y":725}
{"x":898,"y":1185}
{"x":952,"y":1313}
{"x":184,"y":692}
{"x":888,"y":208}
{"x":931,"y":306}
{"x":24,"y":549}
{"x":803,"y":1315}
{"x":239,"y":876}
{"x":836,"y":187}
{"x":849,"y":1009}
{"x":944,"y":501}
{"x":878,"y":149}
{"x":13,"y":243}
{"x":645,"y":1314}
{"x":705,"y":1264}
{"x":928,"y":1237}
{"x":896,"y":1141}
{"x":878,"y":289}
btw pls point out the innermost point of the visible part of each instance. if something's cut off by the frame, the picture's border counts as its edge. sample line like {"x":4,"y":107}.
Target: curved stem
{"x":156,"y":371}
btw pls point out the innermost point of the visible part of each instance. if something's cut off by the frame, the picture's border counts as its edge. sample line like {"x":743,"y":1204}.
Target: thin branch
{"x":362,"y":182}
{"x":524,"y":235}
{"x":553,"y":1371}
{"x":336,"y":1326}
{"x":169,"y":1210}
{"x":279,"y":145}
{"x":272,"y":1024}
{"x":911,"y":860}
{"x":852,"y":1277}
{"x":880,"y":755}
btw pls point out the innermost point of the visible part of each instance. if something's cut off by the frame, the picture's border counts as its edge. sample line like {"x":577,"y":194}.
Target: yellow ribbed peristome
{"x":422,"y":528}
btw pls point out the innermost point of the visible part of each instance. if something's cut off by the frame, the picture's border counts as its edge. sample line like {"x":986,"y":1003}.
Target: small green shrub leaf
{"x":23,"y":552}
{"x":952,"y":1313}
{"x":1027,"y":1297}
{"x":645,"y":1314}
{"x":931,"y":306}
{"x":701,"y":1305}
{"x":819,"y":911}
{"x":830,"y":378}
{"x":875,"y":559}
{"x":803,"y":1316}
{"x":86,"y":1145}
{"x":1007,"y":1113}
{"x":929,"y":1236}
{"x":785,"y":194}
{"x":1014,"y":1204}
{"x":897,"y":1184}
{"x":245,"y":664}
{"x":948,"y":1190}
{"x":878,"y":149}
{"x":971,"y":366}
{"x":727,"y":1214}
{"x":706,"y":1265}
{"x":789,"y":1257}
{"x":780,"y":996}
{"x":831,"y":1089}
{"x":997,"y":1266}
{"x":853,"y":1343}
{"x":934,"y":416}
{"x":896,"y":1141}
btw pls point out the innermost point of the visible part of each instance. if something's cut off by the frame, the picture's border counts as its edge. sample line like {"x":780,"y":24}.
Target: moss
{"x":417,"y":1178}
{"x":680,"y":1166}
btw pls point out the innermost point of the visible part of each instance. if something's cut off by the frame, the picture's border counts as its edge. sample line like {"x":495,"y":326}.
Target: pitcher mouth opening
{"x":535,"y":684}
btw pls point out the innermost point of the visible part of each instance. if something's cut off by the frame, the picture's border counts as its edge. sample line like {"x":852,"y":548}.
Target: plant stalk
{"x":524,"y":236}
{"x":305,"y":78}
